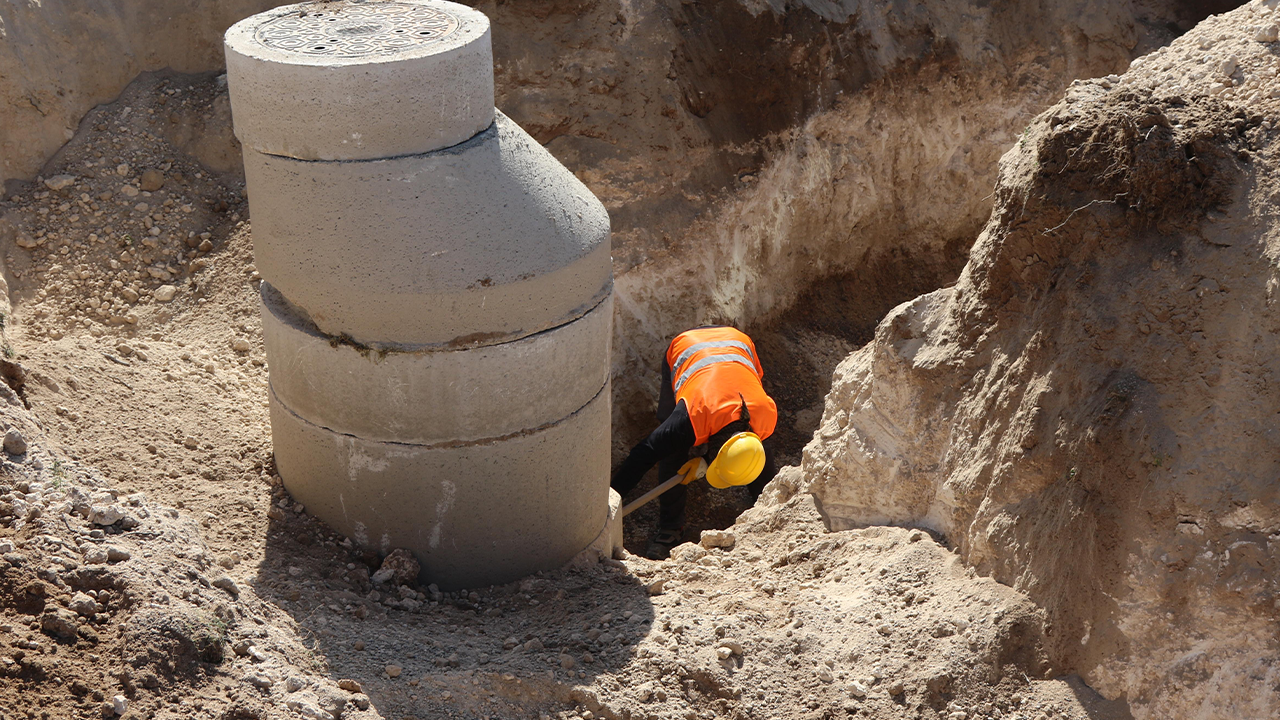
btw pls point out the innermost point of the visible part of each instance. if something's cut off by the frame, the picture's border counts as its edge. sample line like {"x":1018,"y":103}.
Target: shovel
{"x":690,"y":471}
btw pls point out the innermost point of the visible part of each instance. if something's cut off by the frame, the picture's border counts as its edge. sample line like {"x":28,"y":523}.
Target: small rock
{"x":241,"y":648}
{"x":657,"y":586}
{"x":857,"y":689}
{"x":60,"y":623}
{"x":151,"y":180}
{"x":122,"y":169}
{"x":129,"y":294}
{"x":915,"y":536}
{"x":394,"y":671}
{"x":14,"y":443}
{"x":350,"y":685}
{"x":165,"y":293}
{"x":688,"y":552}
{"x":362,"y":702}
{"x":1267,"y":34}
{"x":115,"y":554}
{"x":718,"y":539}
{"x":82,"y":604}
{"x":119,"y":704}
{"x":939,"y":684}
{"x":399,"y":568}
{"x":227,"y":585}
{"x":534,"y":645}
{"x":723,"y":653}
{"x":510,"y":643}
{"x":824,"y":674}
{"x":896,"y":688}
{"x":566,"y":662}
{"x":734,"y":646}
{"x":105,"y":515}
{"x":262,"y":682}
{"x":241,"y":345}
{"x":359,"y":645}
{"x":96,"y":556}
{"x":59,"y":182}
{"x":294,"y":684}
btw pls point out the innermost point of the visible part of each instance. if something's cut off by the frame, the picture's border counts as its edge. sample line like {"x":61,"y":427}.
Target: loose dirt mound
{"x":1090,"y":412}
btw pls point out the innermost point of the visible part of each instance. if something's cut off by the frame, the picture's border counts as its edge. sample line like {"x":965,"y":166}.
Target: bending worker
{"x":711,"y":405}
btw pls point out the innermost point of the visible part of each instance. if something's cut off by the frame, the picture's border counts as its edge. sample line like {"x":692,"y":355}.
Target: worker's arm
{"x":666,"y":396}
{"x":674,"y":435}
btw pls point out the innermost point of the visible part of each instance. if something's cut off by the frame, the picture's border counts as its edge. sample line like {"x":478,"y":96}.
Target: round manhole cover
{"x":357,"y":30}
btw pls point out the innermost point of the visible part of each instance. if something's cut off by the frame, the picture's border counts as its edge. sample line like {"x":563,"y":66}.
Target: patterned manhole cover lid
{"x":357,"y":30}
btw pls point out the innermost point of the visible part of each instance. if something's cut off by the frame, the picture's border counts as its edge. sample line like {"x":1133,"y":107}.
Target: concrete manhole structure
{"x":437,"y":294}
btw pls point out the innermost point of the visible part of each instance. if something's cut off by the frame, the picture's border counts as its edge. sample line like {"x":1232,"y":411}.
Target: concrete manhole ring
{"x":358,"y":30}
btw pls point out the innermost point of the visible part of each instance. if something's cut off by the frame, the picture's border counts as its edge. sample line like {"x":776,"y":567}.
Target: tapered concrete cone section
{"x":352,"y":81}
{"x":437,"y":295}
{"x":474,"y":514}
{"x":482,"y":242}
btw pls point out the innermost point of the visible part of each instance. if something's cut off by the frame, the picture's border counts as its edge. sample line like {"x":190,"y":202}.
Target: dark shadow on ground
{"x":504,"y":651}
{"x":1097,"y":706}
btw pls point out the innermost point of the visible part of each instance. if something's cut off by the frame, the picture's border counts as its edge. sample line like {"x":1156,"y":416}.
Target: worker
{"x":711,"y":404}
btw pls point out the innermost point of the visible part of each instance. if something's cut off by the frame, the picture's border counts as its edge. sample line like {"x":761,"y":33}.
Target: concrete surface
{"x":437,"y":295}
{"x":473,"y":514}
{"x":609,"y":542}
{"x":488,"y":240}
{"x":431,"y":396}
{"x":378,"y":88}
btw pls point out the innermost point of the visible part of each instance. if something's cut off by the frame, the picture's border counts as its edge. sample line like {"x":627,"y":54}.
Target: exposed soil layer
{"x":1089,"y":413}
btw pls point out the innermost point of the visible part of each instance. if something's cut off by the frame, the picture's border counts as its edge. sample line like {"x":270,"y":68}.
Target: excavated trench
{"x":833,"y":166}
{"x":796,"y":171}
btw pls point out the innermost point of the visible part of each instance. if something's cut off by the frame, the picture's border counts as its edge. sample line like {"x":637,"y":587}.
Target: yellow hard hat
{"x":739,"y":461}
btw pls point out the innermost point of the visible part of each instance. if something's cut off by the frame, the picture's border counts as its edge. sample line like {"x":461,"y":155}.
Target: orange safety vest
{"x":713,"y":370}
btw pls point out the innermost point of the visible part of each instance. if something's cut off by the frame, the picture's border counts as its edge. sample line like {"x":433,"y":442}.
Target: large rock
{"x":1089,"y":414}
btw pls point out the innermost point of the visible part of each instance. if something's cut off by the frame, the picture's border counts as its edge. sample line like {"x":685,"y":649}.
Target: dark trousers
{"x":671,"y":504}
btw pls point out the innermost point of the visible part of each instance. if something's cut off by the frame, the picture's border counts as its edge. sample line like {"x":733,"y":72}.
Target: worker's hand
{"x":693,"y":470}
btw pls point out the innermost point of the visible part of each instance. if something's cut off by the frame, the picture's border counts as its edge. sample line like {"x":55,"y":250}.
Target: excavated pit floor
{"x":169,"y":401}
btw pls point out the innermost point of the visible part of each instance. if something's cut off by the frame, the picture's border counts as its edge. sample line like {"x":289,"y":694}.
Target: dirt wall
{"x":1089,"y":413}
{"x":58,"y":60}
{"x":745,"y":150}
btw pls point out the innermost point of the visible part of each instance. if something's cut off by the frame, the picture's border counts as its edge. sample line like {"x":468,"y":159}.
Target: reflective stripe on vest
{"x":684,"y":356}
{"x":713,"y":370}
{"x":712,"y":360}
